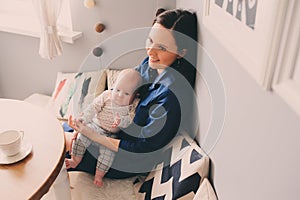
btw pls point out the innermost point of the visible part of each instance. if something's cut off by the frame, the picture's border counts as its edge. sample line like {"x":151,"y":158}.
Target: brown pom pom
{"x":99,"y":27}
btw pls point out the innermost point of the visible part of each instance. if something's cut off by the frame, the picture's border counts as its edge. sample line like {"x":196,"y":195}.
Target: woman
{"x":166,"y":103}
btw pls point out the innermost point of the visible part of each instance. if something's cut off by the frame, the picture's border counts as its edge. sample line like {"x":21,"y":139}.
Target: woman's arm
{"x":153,"y":127}
{"x":81,"y":127}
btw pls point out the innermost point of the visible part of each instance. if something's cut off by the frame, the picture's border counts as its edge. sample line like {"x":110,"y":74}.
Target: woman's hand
{"x":81,"y":127}
{"x":71,"y":123}
{"x":76,"y":124}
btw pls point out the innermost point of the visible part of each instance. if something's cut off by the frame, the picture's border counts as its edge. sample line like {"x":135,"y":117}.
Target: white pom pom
{"x":89,"y":3}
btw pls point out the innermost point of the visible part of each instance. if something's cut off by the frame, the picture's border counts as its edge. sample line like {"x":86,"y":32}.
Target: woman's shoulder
{"x":143,"y":66}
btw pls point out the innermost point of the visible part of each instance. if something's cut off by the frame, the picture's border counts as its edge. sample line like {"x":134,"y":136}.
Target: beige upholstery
{"x":38,"y":99}
{"x":82,"y":187}
{"x":205,"y":191}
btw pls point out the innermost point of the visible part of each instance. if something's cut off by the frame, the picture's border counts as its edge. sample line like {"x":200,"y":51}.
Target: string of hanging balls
{"x":99,"y":27}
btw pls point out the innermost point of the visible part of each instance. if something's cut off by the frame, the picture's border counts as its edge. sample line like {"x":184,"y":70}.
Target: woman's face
{"x":161,"y":48}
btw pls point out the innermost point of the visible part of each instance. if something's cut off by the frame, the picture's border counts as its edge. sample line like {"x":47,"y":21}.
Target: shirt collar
{"x":166,"y":78}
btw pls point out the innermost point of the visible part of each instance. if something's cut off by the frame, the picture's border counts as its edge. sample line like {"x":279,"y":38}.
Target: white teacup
{"x":11,"y":142}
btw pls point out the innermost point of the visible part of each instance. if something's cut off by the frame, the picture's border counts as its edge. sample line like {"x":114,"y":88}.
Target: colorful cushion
{"x":74,"y":91}
{"x":90,"y":86}
{"x":180,"y":178}
{"x":112,"y":75}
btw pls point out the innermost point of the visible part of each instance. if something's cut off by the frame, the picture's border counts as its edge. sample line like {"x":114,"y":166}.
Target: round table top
{"x":31,"y":177}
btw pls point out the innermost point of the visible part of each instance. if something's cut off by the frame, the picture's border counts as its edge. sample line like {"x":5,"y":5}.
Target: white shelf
{"x":66,"y":36}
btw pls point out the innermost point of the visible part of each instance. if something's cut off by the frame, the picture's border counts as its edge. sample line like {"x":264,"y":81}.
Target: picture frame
{"x":286,"y":80}
{"x":250,"y":30}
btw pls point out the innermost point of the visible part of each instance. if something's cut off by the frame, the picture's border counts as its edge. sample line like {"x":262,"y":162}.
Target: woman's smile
{"x":153,"y":59}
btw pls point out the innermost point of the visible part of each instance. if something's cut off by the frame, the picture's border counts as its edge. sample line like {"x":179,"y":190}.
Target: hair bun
{"x":159,"y":11}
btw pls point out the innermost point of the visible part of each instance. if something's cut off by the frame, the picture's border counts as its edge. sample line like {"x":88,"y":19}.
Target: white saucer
{"x":25,"y":151}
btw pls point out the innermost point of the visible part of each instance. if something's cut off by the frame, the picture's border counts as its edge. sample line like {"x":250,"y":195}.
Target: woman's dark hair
{"x":182,"y":22}
{"x":159,"y":11}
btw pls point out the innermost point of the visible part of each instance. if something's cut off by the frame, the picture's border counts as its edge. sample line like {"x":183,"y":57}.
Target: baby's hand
{"x":76,"y":124}
{"x":116,"y":121}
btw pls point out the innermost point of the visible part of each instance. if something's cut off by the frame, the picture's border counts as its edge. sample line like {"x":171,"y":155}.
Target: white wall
{"x":23,"y":72}
{"x":257,"y":155}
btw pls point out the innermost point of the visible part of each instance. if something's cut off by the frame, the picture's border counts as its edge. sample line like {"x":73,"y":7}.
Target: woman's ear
{"x":182,"y":53}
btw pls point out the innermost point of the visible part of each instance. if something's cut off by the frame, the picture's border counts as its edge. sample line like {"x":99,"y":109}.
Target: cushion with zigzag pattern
{"x":178,"y":177}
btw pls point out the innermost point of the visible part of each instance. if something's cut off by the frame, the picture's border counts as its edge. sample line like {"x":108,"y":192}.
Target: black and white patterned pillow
{"x":179,"y":178}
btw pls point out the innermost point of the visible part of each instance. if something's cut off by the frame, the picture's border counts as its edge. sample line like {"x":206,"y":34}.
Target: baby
{"x":110,"y":111}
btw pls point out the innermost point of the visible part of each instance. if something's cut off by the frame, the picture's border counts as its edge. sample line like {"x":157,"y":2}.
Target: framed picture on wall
{"x":250,"y":30}
{"x":286,"y":81}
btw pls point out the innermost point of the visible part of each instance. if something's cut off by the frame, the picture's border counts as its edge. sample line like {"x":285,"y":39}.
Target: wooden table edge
{"x":47,"y":184}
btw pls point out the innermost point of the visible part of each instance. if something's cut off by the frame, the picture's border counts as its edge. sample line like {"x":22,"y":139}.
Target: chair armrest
{"x":38,"y":99}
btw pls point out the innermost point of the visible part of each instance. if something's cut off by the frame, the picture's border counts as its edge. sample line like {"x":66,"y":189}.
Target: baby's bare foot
{"x":70,"y":163}
{"x":99,"y":183}
{"x":98,"y":178}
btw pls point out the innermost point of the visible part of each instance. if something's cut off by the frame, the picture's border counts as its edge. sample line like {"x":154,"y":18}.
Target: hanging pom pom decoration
{"x":89,"y":3}
{"x":97,"y":51}
{"x":99,"y":27}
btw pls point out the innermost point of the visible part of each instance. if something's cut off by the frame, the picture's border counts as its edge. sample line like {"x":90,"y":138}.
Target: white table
{"x":33,"y":176}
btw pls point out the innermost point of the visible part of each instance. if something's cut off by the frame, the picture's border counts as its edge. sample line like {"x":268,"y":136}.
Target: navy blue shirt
{"x":158,"y":114}
{"x":164,"y":108}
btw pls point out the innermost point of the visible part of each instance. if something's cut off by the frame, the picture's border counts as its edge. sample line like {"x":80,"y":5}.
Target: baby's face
{"x":123,"y":93}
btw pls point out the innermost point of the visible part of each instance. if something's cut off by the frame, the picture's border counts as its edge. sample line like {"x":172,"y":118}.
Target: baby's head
{"x":125,"y":87}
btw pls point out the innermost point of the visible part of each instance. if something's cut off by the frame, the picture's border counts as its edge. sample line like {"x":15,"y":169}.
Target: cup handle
{"x":22,"y":136}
